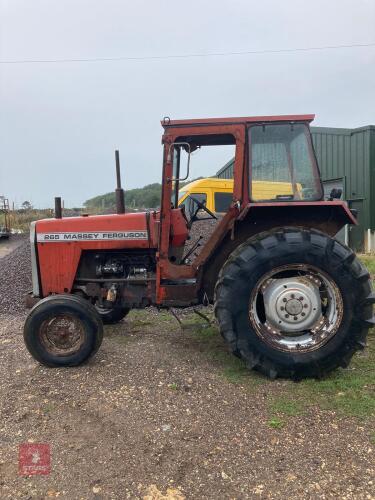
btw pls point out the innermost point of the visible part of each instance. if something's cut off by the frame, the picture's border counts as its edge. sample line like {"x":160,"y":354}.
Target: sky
{"x":61,"y":122}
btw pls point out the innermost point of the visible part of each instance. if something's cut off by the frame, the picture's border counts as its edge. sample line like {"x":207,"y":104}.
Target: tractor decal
{"x":92,"y":236}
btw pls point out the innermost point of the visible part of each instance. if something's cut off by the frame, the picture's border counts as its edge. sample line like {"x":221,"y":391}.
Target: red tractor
{"x":289,"y":298}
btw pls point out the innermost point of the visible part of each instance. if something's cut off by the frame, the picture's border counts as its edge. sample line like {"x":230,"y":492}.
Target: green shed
{"x":346,"y":159}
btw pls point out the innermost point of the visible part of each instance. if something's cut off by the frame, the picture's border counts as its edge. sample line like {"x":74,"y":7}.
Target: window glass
{"x":189,"y":203}
{"x":207,"y":155}
{"x":282,"y":164}
{"x":222,"y":201}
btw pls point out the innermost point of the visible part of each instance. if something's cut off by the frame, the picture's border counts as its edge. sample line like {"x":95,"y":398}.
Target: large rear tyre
{"x":63,"y":330}
{"x":294,"y":303}
{"x":112,"y":315}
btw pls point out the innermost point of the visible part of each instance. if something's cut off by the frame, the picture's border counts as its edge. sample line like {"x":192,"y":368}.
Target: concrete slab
{"x":8,"y":245}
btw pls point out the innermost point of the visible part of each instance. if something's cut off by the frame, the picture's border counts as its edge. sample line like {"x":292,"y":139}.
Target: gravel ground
{"x":15,"y":276}
{"x":152,"y":411}
{"x":201,"y":230}
{"x":155,"y":416}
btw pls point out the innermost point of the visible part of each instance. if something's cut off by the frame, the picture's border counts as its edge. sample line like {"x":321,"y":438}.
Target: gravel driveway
{"x":162,"y":412}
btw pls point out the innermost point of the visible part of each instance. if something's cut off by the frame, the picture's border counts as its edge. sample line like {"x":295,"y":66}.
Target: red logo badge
{"x":34,"y":458}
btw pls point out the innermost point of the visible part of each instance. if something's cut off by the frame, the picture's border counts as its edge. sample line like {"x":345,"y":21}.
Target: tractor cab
{"x":278,"y":154}
{"x":273,"y":162}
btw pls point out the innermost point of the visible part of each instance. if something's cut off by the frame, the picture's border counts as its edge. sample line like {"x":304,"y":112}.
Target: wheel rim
{"x":296,"y":307}
{"x":62,"y":335}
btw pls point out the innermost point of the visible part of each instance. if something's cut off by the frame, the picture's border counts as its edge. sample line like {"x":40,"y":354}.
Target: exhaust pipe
{"x":120,"y":195}
{"x":58,"y":209}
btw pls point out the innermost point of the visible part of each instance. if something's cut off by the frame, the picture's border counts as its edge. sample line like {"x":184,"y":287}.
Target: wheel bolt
{"x":284,"y":299}
{"x":292,"y":295}
{"x":282,"y":308}
{"x":287,"y":315}
{"x":303,"y":314}
{"x":301,"y":298}
{"x":295,"y":318}
{"x":305,"y":306}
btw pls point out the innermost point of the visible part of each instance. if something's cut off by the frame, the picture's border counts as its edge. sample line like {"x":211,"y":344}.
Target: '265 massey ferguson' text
{"x":290,"y":300}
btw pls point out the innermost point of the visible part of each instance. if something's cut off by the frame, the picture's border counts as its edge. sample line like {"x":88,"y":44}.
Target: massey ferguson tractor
{"x":290,"y":299}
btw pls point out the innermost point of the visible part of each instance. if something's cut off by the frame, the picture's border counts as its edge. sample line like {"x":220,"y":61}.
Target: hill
{"x":146,"y":197}
{"x":140,"y":198}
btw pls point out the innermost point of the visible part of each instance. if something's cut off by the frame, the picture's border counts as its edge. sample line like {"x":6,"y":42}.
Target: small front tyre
{"x":63,"y":330}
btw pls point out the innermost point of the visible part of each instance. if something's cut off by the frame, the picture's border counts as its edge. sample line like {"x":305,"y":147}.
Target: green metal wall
{"x":226,"y":172}
{"x":372,"y":177}
{"x":347,"y":154}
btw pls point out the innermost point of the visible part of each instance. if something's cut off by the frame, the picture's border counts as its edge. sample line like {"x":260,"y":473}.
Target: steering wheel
{"x":200,"y":206}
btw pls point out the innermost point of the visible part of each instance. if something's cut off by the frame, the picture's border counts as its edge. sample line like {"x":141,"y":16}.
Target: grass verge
{"x":349,"y":392}
{"x":369,"y":262}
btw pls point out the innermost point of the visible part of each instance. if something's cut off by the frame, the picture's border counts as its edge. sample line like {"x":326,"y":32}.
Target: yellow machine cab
{"x":217,"y":194}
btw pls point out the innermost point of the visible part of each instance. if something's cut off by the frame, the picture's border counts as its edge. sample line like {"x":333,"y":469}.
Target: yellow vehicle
{"x":217,"y":194}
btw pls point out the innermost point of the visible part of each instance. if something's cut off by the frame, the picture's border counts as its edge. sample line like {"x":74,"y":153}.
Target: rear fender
{"x":326,"y":216}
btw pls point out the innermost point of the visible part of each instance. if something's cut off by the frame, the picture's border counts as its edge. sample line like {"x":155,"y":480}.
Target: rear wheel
{"x":112,"y":315}
{"x":63,"y":330}
{"x":294,"y":303}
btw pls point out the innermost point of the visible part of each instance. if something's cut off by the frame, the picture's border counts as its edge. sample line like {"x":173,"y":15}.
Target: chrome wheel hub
{"x":296,"y":307}
{"x":292,"y":304}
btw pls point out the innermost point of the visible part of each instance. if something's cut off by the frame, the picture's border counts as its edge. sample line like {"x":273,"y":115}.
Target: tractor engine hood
{"x":57,"y":244}
{"x":130,"y":230}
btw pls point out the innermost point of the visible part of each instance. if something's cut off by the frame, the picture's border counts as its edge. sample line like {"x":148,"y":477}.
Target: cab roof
{"x":208,"y":182}
{"x":167,"y":122}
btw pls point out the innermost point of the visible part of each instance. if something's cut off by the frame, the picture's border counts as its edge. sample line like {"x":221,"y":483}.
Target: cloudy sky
{"x":60,"y":122}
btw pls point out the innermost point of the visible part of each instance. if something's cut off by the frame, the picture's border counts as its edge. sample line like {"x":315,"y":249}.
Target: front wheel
{"x":63,"y":330}
{"x":294,"y":303}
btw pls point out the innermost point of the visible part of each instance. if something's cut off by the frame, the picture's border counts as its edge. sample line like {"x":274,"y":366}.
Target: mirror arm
{"x":169,"y":159}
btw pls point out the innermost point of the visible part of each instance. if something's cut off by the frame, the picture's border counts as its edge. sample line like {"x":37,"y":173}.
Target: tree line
{"x":146,"y":197}
{"x":140,"y":198}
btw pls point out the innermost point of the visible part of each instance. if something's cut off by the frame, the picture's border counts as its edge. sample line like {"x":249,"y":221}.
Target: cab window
{"x":189,"y":203}
{"x":282,"y":163}
{"x":222,"y":201}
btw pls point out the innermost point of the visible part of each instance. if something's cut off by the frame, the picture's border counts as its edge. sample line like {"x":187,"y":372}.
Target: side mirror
{"x":335,"y":194}
{"x":187,"y":148}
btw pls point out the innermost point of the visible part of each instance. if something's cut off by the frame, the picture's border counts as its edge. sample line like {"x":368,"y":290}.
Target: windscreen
{"x":282,"y":164}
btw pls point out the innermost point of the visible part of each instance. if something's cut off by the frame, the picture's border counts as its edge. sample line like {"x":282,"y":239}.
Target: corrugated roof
{"x":227,"y":165}
{"x":341,"y":131}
